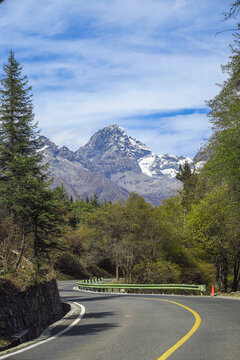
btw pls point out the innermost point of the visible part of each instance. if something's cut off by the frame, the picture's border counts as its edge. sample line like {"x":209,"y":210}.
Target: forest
{"x":193,"y":237}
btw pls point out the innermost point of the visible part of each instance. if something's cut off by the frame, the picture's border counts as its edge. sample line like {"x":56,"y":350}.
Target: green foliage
{"x":223,"y":170}
{"x":160,"y":272}
{"x":70,"y":265}
{"x":145,"y":244}
{"x":79,"y":209}
{"x":211,"y":224}
{"x":118,"y":232}
{"x":189,"y":179}
{"x":35,"y":209}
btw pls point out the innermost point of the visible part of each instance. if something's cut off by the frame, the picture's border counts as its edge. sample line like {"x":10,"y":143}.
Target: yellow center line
{"x":184,"y":338}
{"x":187,"y":336}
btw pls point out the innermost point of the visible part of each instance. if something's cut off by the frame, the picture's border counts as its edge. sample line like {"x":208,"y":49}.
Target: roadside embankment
{"x":25,"y":314}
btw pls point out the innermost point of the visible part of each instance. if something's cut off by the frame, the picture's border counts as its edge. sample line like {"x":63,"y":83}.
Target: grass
{"x":7,"y":342}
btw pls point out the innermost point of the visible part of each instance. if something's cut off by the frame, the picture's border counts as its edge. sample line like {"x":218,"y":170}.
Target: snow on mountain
{"x":43,"y":148}
{"x":171,"y":173}
{"x":155,"y":165}
{"x":146,"y":164}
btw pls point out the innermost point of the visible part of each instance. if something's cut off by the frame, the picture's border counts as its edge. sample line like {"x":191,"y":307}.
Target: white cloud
{"x":173,"y":134}
{"x":94,"y":62}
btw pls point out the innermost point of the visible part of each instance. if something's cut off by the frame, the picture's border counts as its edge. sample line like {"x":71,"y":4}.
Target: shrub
{"x":70,"y":265}
{"x":160,"y":272}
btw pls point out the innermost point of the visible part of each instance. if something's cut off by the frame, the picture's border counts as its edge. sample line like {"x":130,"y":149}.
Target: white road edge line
{"x":69,"y":327}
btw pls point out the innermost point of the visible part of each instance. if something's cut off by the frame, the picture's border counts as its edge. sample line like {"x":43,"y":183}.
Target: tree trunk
{"x":236,"y":277}
{"x":124,"y":275}
{"x":225,"y":274}
{"x":218,"y":276}
{"x":117,"y":272}
{"x":221,"y":275}
{"x":23,"y":238}
{"x":36,"y":246}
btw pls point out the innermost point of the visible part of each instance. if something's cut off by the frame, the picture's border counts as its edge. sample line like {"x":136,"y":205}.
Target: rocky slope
{"x":75,"y":177}
{"x":112,"y":164}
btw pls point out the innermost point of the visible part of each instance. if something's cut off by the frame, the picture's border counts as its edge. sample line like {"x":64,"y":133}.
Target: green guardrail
{"x":98,"y":285}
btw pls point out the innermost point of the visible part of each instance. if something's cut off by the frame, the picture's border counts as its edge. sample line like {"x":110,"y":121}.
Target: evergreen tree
{"x":94,"y":200}
{"x":189,"y":180}
{"x":26,"y":191}
{"x":18,"y":135}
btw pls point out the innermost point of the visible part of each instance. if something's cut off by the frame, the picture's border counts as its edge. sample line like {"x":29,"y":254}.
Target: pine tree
{"x":18,"y":135}
{"x":26,"y":191}
{"x":189,"y":180}
{"x":94,"y":200}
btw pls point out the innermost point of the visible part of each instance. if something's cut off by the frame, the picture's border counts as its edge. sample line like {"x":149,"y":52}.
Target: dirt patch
{"x":7,"y":342}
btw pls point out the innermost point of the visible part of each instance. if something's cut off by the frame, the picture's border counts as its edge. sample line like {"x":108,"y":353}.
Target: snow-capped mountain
{"x":118,"y":162}
{"x":112,"y":142}
{"x":110,"y":151}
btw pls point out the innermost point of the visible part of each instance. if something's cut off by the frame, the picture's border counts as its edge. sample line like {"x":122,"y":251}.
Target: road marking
{"x":182,"y":340}
{"x":69,"y":327}
{"x":187,"y":336}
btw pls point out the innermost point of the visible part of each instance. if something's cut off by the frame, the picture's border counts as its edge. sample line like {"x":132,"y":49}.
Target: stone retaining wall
{"x":26,"y":314}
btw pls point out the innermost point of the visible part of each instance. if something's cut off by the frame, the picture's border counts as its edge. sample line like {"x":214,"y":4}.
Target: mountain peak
{"x":114,"y":127}
{"x":115,"y":137}
{"x":46,"y":143}
{"x":110,"y":150}
{"x":110,"y":136}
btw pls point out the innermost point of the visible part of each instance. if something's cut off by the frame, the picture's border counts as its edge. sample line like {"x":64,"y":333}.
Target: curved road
{"x":141,"y":327}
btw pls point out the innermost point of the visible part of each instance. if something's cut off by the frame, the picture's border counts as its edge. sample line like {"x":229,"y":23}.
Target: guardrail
{"x":98,"y":285}
{"x":91,"y":281}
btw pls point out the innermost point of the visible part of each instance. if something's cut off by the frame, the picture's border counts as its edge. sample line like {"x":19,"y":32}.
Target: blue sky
{"x":147,"y":65}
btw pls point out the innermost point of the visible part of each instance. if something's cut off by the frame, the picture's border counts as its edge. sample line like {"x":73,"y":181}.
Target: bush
{"x":198,"y":273}
{"x":95,"y":271}
{"x":70,"y":265}
{"x":160,"y":272}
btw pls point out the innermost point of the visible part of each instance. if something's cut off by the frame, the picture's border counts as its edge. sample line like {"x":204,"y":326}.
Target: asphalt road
{"x":141,"y":327}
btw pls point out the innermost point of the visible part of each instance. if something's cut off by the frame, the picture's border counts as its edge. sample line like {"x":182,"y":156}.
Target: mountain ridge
{"x":112,"y":164}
